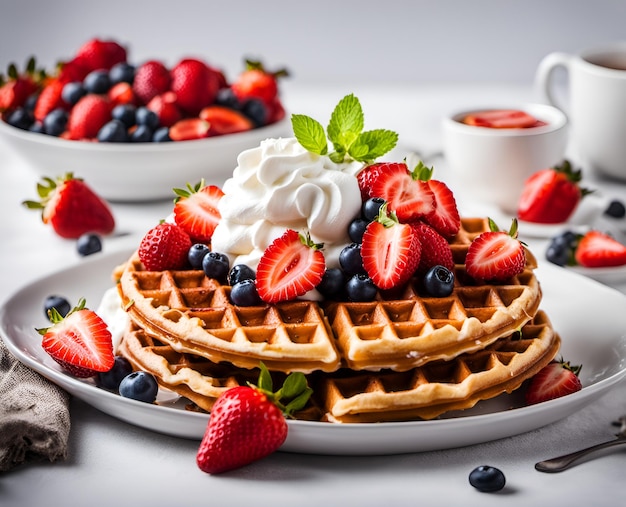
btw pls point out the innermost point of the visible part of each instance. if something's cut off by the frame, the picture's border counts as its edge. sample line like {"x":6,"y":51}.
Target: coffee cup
{"x":595,"y":103}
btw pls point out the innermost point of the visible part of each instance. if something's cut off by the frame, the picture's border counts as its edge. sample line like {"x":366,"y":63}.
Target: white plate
{"x":610,"y":276}
{"x":589,"y":317}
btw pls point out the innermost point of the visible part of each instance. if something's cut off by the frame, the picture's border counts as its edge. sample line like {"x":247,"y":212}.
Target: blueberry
{"x":126,"y":113}
{"x":487,"y":479}
{"x":216,"y":265}
{"x":256,"y":110}
{"x":97,"y":81}
{"x":141,"y":134}
{"x":239,"y":273}
{"x":122,"y":72}
{"x":161,"y":135}
{"x":88,"y":244}
{"x":73,"y":92}
{"x":196,"y":255}
{"x":356,"y":229}
{"x":114,"y":131}
{"x":145,"y":116}
{"x":566,"y":238}
{"x":558,"y":254}
{"x":333,"y":282}
{"x":350,"y":259}
{"x":438,"y":281}
{"x":20,"y":118}
{"x":61,"y":304}
{"x":226,"y":97}
{"x":36,"y":127}
{"x":55,"y":122}
{"x":31,"y":102}
{"x":615,"y":209}
{"x":361,"y":288}
{"x":140,"y":386}
{"x":371,"y":207}
{"x":244,"y":293}
{"x":111,"y":379}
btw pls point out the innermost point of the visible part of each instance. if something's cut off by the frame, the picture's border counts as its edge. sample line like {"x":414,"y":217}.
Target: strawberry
{"x":188,"y":129}
{"x":257,"y":83}
{"x":18,"y":87}
{"x":369,"y":174}
{"x":224,"y":120}
{"x":80,"y":342}
{"x":88,"y":116}
{"x":408,"y":196}
{"x":291,"y":266}
{"x":435,"y":249}
{"x":49,"y":99}
{"x":248,"y":423}
{"x":445,"y":218}
{"x":550,"y":196}
{"x":72,"y":208}
{"x":557,"y":379}
{"x":98,"y":54}
{"x":597,"y":249}
{"x":164,"y":105}
{"x":196,"y":212}
{"x":391,"y":250}
{"x":121,"y":93}
{"x":501,"y":119}
{"x":152,"y":78}
{"x":164,"y":247}
{"x":495,"y":255}
{"x":194,"y":84}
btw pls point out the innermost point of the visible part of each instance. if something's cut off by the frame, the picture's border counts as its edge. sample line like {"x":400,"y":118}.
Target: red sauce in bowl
{"x":503,"y":119}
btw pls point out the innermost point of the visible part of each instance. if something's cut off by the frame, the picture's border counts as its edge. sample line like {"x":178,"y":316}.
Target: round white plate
{"x":589,"y":317}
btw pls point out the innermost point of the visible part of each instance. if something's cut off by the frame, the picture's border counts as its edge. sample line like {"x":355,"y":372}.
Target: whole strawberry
{"x":248,"y":422}
{"x":88,"y":116}
{"x":18,"y":86}
{"x":195,"y":85}
{"x":72,"y":208}
{"x":165,"y":246}
{"x":152,"y":78}
{"x":96,"y":54}
{"x":257,"y":83}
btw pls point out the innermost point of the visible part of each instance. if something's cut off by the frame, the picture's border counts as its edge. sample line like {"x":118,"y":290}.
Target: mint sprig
{"x":345,"y":132}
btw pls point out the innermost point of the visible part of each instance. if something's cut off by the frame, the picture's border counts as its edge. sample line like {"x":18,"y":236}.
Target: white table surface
{"x":114,"y":463}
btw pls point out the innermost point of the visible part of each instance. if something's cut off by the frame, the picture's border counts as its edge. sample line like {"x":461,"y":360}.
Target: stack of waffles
{"x":402,"y":356}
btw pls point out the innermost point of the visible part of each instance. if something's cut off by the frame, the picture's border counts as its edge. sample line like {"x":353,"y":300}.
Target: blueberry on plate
{"x":88,"y":244}
{"x":140,"y":386}
{"x":111,"y":379}
{"x":487,"y":479}
{"x":61,"y":304}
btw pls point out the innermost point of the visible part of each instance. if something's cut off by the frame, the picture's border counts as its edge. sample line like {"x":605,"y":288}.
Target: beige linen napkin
{"x":34,"y":415}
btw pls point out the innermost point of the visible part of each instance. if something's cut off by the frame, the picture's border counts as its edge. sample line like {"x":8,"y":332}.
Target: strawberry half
{"x":369,"y":174}
{"x":290,"y":267}
{"x":597,"y":249}
{"x":495,"y":255}
{"x":165,"y":246}
{"x":196,"y":212}
{"x":224,"y":120}
{"x":391,"y":250}
{"x":188,"y":129}
{"x":502,"y":119}
{"x":557,"y":379}
{"x":81,"y":342}
{"x":550,"y":196}
{"x":248,"y":423}
{"x":445,"y":218}
{"x":72,"y":208}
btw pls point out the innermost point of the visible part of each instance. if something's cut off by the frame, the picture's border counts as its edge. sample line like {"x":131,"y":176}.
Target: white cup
{"x":490,"y":165}
{"x":595,"y":105}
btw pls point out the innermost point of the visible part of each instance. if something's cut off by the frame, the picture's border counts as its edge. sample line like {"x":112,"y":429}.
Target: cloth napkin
{"x":34,"y":415}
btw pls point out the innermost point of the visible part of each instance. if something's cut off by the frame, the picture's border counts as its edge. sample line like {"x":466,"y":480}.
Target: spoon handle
{"x":564,"y":462}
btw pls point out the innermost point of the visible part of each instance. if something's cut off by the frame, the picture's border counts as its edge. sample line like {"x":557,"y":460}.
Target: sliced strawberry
{"x":597,"y":249}
{"x":164,"y":105}
{"x":435,"y":249}
{"x":391,"y":250}
{"x":502,"y":119}
{"x":224,"y":120}
{"x":445,"y":217}
{"x":557,"y":379}
{"x":290,"y":267}
{"x":407,"y":195}
{"x":495,"y":255}
{"x":369,"y":174}
{"x":188,"y":129}
{"x":121,"y":93}
{"x":196,"y":212}
{"x":80,"y":342}
{"x":165,"y":246}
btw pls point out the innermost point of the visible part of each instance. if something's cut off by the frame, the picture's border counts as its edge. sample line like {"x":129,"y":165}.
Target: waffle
{"x":347,"y":396}
{"x":400,"y":330}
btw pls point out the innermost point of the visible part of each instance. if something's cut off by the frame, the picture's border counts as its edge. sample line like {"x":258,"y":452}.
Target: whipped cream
{"x":281,"y":185}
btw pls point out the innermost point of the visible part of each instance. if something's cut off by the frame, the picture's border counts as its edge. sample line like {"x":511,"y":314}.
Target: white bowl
{"x":491,"y":165}
{"x":124,"y":172}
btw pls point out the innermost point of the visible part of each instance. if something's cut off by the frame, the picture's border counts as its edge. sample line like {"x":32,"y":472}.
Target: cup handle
{"x":545,"y":73}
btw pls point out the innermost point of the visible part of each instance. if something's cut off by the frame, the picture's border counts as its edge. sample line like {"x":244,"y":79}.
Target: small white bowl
{"x":490,"y":165}
{"x":124,"y":172}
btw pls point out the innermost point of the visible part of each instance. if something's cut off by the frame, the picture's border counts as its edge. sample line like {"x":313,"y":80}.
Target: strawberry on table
{"x":163,"y":247}
{"x":550,"y":196}
{"x":391,"y":250}
{"x":80,"y":342}
{"x":291,"y":266}
{"x":495,"y":255}
{"x":72,"y":208}
{"x":248,"y":423}
{"x":559,"y":378}
{"x":598,"y":249}
{"x":196,"y":212}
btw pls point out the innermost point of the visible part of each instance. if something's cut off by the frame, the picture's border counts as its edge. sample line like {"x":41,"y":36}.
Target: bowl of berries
{"x":135,"y":131}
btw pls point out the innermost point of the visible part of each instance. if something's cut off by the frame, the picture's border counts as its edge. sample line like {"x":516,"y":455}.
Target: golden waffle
{"x":424,"y":392}
{"x":400,"y":330}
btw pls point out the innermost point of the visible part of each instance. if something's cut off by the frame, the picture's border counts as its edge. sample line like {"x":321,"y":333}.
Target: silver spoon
{"x":564,"y":462}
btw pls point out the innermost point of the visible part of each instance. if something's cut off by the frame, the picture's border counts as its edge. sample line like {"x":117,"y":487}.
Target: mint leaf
{"x":309,"y":133}
{"x":346,"y":123}
{"x":372,"y":144}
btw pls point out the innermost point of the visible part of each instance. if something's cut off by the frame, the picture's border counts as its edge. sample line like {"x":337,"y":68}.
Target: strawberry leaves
{"x":295,"y":389}
{"x":345,"y":132}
